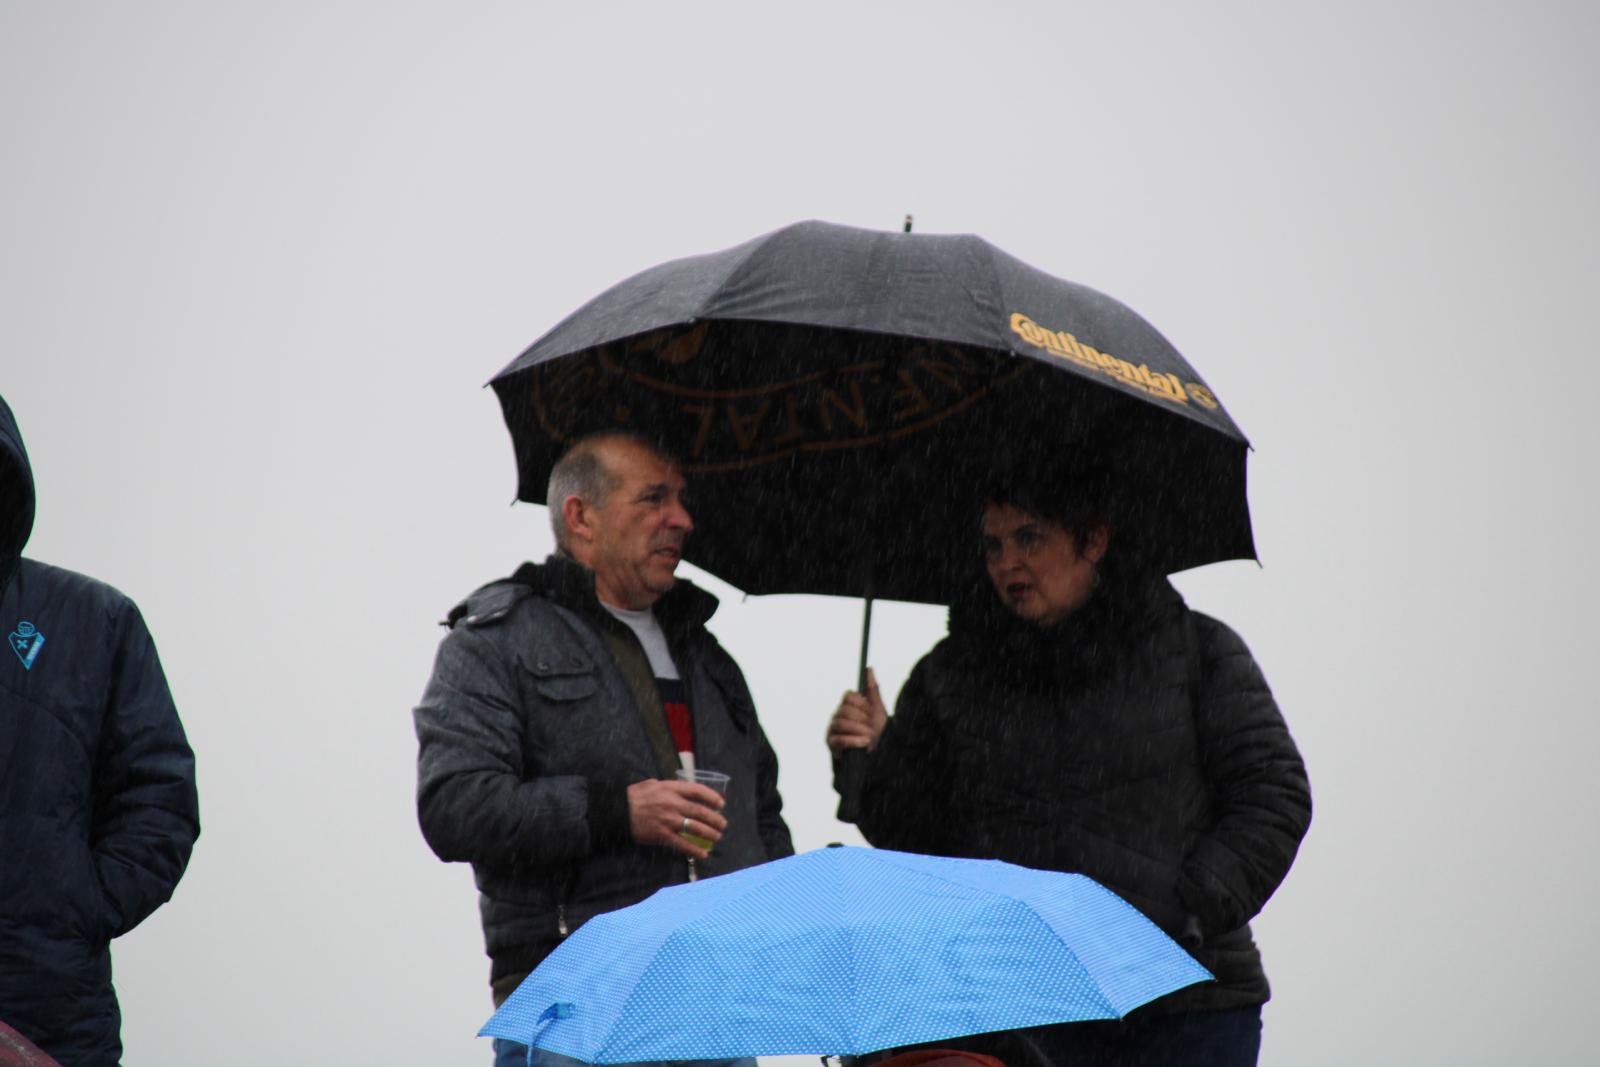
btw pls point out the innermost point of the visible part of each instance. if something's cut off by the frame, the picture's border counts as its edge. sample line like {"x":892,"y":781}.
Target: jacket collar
{"x":570,"y":584}
{"x":1083,"y":644}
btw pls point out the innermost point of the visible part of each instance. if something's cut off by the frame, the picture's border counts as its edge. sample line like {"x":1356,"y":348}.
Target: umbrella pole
{"x":866,"y":633}
{"x":850,"y":766}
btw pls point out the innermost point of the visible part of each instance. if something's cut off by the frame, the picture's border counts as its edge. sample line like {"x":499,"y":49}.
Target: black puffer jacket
{"x":528,"y":737}
{"x":98,"y":811}
{"x":1136,"y":742}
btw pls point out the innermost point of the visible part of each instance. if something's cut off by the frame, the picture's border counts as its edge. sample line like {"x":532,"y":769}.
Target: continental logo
{"x":1141,"y":377}
{"x":686,"y":390}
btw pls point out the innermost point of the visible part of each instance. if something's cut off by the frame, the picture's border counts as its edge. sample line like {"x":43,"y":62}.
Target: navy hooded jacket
{"x":98,"y":811}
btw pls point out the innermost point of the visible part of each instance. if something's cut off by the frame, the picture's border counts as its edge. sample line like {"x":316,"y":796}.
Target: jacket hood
{"x":16,"y":494}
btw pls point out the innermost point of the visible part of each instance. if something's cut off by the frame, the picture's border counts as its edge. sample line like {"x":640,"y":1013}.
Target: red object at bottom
{"x":940,"y":1057}
{"x":18,"y":1051}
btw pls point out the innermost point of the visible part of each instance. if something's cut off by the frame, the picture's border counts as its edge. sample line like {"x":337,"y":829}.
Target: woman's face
{"x":1035,"y":564}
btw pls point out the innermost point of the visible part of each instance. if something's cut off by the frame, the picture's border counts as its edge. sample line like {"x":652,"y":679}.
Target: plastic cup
{"x":714,"y":779}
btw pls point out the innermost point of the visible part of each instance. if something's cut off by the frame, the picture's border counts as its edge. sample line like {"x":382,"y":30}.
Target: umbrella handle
{"x":850,"y":766}
{"x":849,"y":771}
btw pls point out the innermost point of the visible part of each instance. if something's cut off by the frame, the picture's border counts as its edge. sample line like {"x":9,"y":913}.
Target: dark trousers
{"x":1229,"y":1038}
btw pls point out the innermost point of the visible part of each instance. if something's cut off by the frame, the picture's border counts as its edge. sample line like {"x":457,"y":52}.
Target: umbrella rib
{"x":1073,"y":952}
{"x":989,"y":251}
{"x":1053,"y":932}
{"x":708,"y":915}
{"x":755,"y":246}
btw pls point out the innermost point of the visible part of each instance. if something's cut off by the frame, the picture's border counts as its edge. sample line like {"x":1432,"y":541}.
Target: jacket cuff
{"x":609,"y":824}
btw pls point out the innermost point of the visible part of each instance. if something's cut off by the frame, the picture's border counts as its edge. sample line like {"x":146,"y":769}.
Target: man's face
{"x":639,"y":530}
{"x":1035,"y":564}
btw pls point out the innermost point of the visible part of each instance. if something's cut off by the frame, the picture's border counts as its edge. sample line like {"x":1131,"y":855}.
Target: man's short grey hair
{"x":580,"y":472}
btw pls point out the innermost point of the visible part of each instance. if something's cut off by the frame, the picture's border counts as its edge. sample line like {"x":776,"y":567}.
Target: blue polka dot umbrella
{"x":842,"y":951}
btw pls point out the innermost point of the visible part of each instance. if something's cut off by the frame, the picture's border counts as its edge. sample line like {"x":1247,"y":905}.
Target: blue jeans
{"x":1229,"y":1038}
{"x":511,"y":1054}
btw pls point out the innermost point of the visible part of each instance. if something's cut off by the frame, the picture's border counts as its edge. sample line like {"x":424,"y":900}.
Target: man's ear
{"x":575,"y":513}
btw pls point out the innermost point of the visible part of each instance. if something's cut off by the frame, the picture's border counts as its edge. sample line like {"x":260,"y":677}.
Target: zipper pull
{"x":561,"y":920}
{"x":692,"y":875}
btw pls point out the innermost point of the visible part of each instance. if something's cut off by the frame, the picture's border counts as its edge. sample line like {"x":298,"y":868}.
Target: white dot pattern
{"x":838,"y":951}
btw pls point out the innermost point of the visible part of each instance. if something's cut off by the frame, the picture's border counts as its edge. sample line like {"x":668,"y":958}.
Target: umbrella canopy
{"x":834,"y":395}
{"x":841,"y":951}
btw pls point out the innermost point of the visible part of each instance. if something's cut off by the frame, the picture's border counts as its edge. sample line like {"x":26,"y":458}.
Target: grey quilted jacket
{"x":529,"y":736}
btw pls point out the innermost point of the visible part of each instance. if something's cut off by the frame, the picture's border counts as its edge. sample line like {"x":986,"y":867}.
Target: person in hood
{"x":98,"y":809}
{"x":1079,"y":717}
{"x":565,"y":700}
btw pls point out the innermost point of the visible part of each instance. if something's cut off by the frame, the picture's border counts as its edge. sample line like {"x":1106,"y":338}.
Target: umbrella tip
{"x":908,"y":224}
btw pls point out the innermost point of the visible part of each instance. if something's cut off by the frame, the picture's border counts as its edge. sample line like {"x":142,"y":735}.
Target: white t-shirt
{"x":648,"y":631}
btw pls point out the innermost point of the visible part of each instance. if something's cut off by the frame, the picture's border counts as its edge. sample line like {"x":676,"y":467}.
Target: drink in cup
{"x":716,"y":780}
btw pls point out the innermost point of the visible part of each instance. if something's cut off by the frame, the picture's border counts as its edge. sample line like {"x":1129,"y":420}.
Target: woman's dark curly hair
{"x":1075,"y":496}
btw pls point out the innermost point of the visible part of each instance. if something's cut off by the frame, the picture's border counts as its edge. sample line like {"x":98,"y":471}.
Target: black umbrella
{"x":822,"y":384}
{"x":835,"y":395}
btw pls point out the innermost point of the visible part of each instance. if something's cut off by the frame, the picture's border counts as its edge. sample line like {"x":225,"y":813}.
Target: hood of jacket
{"x":16,"y":494}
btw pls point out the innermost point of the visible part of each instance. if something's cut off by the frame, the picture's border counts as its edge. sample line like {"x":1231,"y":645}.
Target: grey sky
{"x":256,"y":261}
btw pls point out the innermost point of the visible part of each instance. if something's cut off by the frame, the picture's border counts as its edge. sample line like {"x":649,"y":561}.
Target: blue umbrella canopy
{"x":842,"y":951}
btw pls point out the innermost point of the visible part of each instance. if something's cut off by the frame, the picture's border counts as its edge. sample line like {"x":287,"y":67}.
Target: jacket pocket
{"x":91,"y":911}
{"x":563,"y":678}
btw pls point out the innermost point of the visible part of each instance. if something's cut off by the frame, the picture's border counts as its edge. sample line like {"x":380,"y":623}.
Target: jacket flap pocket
{"x":562,"y":677}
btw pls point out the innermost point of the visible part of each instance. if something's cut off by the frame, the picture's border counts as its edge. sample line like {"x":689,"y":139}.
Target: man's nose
{"x":678,"y":517}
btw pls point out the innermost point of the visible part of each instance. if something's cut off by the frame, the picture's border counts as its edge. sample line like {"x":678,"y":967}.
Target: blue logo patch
{"x":26,"y":643}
